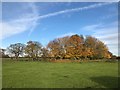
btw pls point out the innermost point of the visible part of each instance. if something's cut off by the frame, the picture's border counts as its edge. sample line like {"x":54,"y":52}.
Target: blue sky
{"x":44,"y":21}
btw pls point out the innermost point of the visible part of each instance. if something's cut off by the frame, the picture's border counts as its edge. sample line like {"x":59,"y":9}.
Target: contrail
{"x":73,"y":10}
{"x":66,"y":11}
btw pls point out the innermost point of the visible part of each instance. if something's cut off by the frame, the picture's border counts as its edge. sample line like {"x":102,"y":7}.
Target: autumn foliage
{"x":75,"y":47}
{"x":78,"y":47}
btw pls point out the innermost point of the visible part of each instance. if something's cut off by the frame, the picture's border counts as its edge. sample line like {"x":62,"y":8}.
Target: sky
{"x":45,"y":21}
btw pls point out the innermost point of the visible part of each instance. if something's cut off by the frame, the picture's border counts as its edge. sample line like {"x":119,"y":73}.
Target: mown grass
{"x":36,"y":74}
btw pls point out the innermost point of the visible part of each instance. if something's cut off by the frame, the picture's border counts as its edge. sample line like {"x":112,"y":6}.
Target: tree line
{"x":68,"y":47}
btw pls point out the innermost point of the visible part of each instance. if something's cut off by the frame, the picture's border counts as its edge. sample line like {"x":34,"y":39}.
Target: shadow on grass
{"x":107,"y":81}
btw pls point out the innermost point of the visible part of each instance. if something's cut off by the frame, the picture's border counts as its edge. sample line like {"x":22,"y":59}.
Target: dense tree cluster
{"x":78,"y":47}
{"x":68,"y":47}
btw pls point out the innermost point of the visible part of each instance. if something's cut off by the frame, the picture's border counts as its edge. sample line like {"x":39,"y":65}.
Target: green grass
{"x":25,"y":74}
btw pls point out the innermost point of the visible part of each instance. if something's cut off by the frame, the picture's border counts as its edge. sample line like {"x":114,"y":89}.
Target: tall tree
{"x":75,"y":46}
{"x":63,"y":46}
{"x":90,"y":46}
{"x":102,"y":50}
{"x":16,"y":49}
{"x":97,"y":49}
{"x":58,"y":47}
{"x":33,"y":49}
{"x":54,"y":46}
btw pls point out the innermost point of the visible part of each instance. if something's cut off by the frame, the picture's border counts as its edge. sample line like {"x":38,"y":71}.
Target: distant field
{"x":37,"y":74}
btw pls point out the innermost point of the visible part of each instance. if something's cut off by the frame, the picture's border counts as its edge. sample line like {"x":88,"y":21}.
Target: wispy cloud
{"x":91,"y":27}
{"x":29,"y":21}
{"x":36,"y":14}
{"x":67,"y":11}
{"x":16,"y":26}
{"x":108,"y":33}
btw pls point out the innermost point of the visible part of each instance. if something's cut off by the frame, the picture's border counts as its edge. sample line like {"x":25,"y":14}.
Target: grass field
{"x":36,"y":74}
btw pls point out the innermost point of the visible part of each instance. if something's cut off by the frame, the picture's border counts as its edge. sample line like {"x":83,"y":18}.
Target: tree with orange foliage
{"x":33,"y":49}
{"x":54,"y":48}
{"x":76,"y":47}
{"x":97,"y":49}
